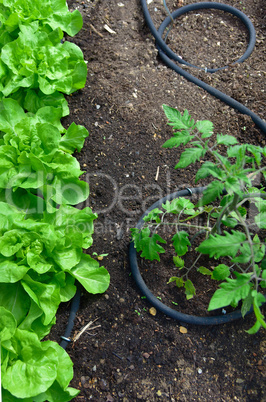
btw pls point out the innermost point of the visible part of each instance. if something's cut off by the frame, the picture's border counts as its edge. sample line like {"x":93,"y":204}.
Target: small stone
{"x":84,"y":379}
{"x":239,"y":381}
{"x":146,"y":355}
{"x":153,"y":311}
{"x":189,"y":371}
{"x":183,"y":330}
{"x":200,"y":371}
{"x":103,"y":385}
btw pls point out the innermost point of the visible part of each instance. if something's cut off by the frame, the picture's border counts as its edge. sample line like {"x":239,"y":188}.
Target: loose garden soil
{"x":132,"y":355}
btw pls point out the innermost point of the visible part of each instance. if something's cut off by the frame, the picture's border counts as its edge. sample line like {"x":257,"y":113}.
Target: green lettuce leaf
{"x":14,"y":298}
{"x":45,"y":295}
{"x":94,"y":278}
{"x":8,"y":325}
{"x":11,"y":272}
{"x":73,"y":139}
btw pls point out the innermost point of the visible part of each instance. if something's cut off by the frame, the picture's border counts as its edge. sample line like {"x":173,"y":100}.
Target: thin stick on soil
{"x":87,"y":326}
{"x":95,"y":30}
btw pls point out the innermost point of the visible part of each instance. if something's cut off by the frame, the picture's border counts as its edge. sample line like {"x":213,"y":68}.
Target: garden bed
{"x":134,"y":355}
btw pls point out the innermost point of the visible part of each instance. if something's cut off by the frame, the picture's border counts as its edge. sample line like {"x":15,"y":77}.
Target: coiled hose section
{"x":181,"y":317}
{"x":169,"y":57}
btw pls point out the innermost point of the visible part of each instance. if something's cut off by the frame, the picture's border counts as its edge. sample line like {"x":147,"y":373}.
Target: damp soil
{"x":128,"y":354}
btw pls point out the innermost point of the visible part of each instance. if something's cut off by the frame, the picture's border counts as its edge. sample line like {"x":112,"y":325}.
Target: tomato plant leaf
{"x":181,"y":242}
{"x":260,"y":220}
{"x":190,"y":290}
{"x":231,"y":292}
{"x":179,"y":138}
{"x":213,"y":191}
{"x":190,"y":155}
{"x":179,"y":262}
{"x":204,"y":271}
{"x":178,"y":281}
{"x":179,"y":204}
{"x":209,"y":169}
{"x":205,"y":127}
{"x":220,"y":272}
{"x":150,"y":248}
{"x":226,"y":139}
{"x":177,"y":120}
{"x":222,"y":245}
{"x":153,"y":215}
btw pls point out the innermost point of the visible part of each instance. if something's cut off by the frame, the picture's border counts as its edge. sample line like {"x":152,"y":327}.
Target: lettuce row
{"x":42,"y":235}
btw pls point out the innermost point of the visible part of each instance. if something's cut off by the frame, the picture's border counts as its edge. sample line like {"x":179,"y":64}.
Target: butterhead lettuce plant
{"x":229,"y":219}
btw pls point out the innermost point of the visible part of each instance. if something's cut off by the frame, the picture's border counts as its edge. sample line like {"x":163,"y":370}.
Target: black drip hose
{"x":73,"y":311}
{"x":168,"y":56}
{"x":186,"y":318}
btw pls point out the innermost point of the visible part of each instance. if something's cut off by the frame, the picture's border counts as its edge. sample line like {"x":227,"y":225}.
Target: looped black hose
{"x":168,"y":56}
{"x":189,"y":319}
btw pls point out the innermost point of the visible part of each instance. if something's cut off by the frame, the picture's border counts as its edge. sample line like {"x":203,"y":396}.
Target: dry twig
{"x":95,"y":30}
{"x":87,"y":326}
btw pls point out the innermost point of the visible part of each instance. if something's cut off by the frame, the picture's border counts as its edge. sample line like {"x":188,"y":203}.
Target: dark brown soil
{"x":133,"y":355}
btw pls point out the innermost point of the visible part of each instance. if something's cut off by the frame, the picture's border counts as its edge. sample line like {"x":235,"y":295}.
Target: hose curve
{"x":181,"y":317}
{"x":169,"y":57}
